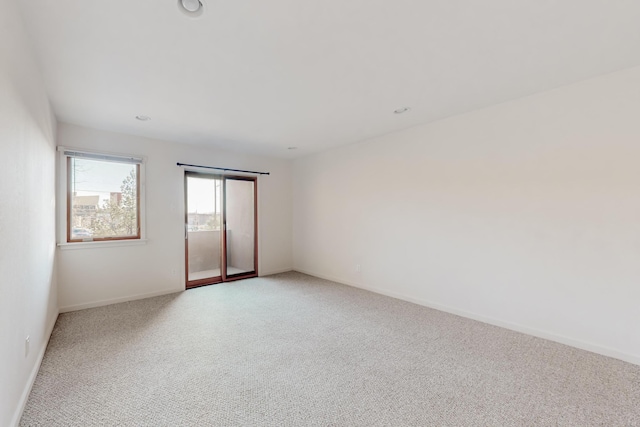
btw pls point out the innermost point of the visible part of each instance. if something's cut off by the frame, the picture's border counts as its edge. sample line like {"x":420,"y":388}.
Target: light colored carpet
{"x":293,"y":350}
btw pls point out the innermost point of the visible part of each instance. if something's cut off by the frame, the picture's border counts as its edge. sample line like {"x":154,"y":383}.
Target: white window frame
{"x":62,"y":200}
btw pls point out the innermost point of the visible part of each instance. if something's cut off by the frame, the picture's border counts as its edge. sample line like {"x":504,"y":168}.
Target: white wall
{"x":204,"y":250}
{"x":526,"y":214}
{"x":28,"y":303}
{"x":100,"y":275}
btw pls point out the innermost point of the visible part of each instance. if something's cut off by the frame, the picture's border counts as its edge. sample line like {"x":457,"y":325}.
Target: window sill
{"x":101,"y":244}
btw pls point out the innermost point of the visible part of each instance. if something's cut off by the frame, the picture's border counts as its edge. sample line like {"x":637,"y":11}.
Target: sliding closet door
{"x":203,"y":227}
{"x":240,"y":226}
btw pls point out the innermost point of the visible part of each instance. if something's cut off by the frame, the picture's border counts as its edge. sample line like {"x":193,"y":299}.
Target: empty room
{"x":337,"y":213}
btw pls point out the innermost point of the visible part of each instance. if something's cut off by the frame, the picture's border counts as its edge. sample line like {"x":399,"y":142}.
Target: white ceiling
{"x":259,"y":76}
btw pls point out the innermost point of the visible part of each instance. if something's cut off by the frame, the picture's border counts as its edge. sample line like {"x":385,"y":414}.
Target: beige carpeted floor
{"x":293,"y":350}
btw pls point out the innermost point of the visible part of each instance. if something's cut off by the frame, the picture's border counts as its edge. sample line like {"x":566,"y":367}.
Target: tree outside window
{"x":103,"y":199}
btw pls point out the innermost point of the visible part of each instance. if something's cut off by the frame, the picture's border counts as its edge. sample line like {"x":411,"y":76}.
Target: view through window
{"x":203,"y":202}
{"x":103,"y":198}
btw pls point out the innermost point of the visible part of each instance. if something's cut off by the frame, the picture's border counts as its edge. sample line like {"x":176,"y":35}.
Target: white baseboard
{"x":100,"y":303}
{"x":583,"y":345}
{"x":270,"y":272}
{"x":34,"y":373}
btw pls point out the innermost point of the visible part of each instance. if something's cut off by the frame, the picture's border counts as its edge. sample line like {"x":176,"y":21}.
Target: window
{"x":103,"y":197}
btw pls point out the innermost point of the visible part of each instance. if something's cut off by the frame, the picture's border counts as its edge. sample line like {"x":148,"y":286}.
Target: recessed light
{"x":143,"y":118}
{"x":191,"y":7}
{"x":401,"y":110}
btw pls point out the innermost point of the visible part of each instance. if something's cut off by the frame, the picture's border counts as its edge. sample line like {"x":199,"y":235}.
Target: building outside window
{"x":103,"y":197}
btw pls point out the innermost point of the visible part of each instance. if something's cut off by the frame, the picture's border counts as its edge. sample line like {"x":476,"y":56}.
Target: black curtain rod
{"x":223,"y":169}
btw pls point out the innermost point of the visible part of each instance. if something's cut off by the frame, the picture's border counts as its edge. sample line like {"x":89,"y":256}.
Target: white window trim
{"x":62,"y":203}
